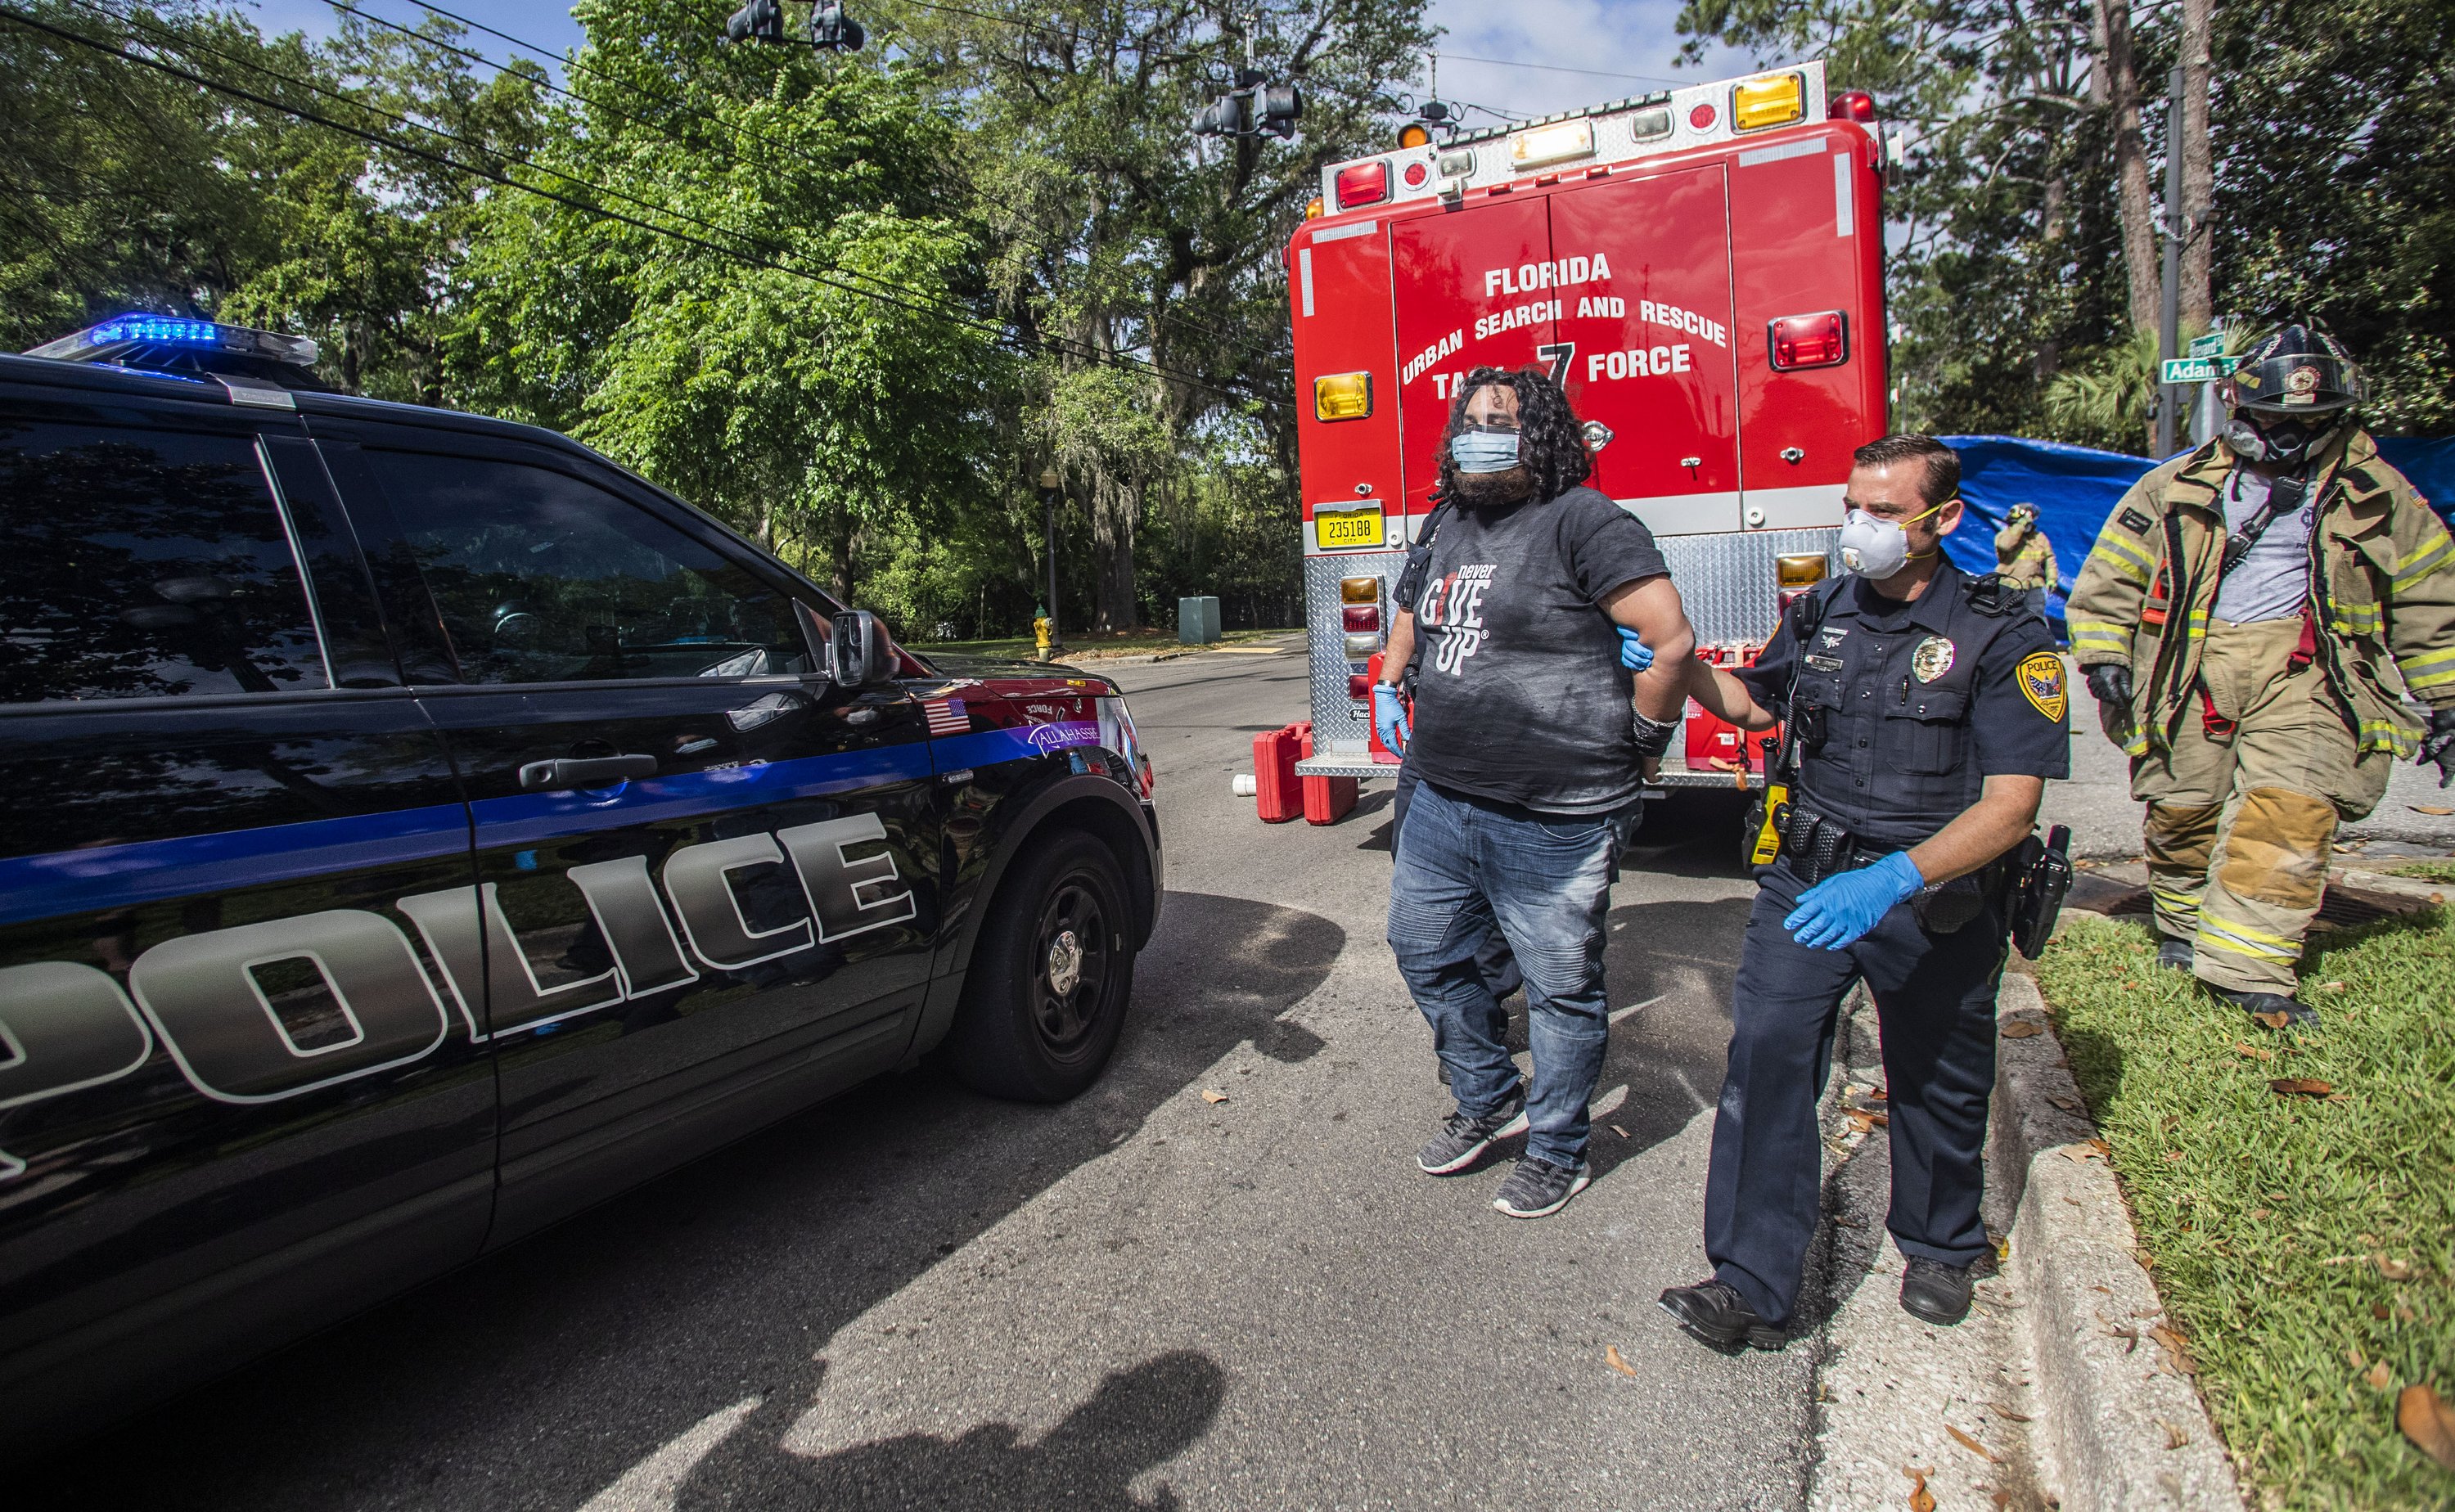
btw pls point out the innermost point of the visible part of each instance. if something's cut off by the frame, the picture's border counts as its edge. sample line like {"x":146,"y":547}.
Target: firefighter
{"x":1925,"y":715}
{"x":2026,"y":559}
{"x":2237,"y":622}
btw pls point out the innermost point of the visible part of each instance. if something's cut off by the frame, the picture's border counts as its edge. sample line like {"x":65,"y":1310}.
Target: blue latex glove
{"x":1840,"y":909}
{"x":1633,"y":653}
{"x":1390,"y":719}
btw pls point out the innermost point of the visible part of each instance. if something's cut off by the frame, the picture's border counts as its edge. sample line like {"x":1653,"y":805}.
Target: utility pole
{"x":2177,"y":229}
{"x":1052,"y":491}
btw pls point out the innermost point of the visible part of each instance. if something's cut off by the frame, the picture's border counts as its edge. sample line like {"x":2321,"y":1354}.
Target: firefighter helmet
{"x":2295,"y":369}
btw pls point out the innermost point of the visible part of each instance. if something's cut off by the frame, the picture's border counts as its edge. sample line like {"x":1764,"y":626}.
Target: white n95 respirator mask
{"x":1874,"y":548}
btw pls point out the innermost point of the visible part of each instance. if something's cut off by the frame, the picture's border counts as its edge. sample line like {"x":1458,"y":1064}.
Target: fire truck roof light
{"x":1801,"y":569}
{"x":1314,"y":209}
{"x":1414,"y":133}
{"x":1646,"y":125}
{"x":1359,"y":589}
{"x":1363,"y":184}
{"x":1542,"y":146}
{"x":1852,"y":105}
{"x":1457,"y":162}
{"x":1342,"y":397}
{"x":1768,"y":100}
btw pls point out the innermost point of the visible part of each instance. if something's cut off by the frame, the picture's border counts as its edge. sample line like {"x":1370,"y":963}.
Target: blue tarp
{"x":2075,"y":489}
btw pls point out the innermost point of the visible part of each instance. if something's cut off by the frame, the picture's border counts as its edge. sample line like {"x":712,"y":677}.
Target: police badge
{"x":1932,"y":660}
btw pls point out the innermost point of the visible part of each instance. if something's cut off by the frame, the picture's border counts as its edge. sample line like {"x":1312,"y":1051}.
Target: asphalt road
{"x":915,"y":1296}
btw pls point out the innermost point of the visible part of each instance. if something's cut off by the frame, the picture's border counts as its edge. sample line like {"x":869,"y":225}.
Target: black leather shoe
{"x":2263,"y":1006}
{"x":2175,"y":953}
{"x":1714,"y":1313}
{"x":1933,"y":1292}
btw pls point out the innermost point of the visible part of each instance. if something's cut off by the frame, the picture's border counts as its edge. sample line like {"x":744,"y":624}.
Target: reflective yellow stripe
{"x":2101,"y":634}
{"x":2425,"y":558}
{"x":2386,"y":734}
{"x":2137,"y":745}
{"x":2355,"y":619}
{"x":2124,"y":558}
{"x":2226,"y":935}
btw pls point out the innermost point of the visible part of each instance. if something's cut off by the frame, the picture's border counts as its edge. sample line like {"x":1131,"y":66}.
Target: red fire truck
{"x":1702,"y":269}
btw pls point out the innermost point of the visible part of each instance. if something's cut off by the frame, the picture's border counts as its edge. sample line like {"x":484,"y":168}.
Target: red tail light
{"x":1809,"y":341}
{"x":1359,"y":619}
{"x":1359,"y":687}
{"x":1363,"y":184}
{"x":1852,"y":105}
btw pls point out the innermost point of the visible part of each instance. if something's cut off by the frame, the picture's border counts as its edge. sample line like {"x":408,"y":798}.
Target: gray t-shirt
{"x":1521,"y":698}
{"x":2274,"y":580}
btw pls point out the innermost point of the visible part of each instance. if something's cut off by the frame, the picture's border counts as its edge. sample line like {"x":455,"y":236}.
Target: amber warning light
{"x":1809,"y":341}
{"x":1342,"y":397}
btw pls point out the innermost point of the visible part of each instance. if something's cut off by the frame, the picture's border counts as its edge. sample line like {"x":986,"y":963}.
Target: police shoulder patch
{"x":2136,"y":522}
{"x":2042,"y":683}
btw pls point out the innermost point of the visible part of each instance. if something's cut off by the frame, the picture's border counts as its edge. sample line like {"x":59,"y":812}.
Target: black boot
{"x":2264,"y":1005}
{"x":1715,"y":1313}
{"x":1935,"y":1293}
{"x":2174,"y":953}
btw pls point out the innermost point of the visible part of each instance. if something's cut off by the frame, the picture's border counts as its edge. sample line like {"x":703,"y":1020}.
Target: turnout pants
{"x":1934,"y":998}
{"x":2238,"y":823}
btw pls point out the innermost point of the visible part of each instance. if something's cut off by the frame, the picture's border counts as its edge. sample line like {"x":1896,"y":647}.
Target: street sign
{"x":2193,"y":370}
{"x":2211,"y":345}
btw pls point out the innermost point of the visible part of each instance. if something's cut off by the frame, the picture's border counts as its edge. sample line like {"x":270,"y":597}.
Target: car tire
{"x":1050,"y":974}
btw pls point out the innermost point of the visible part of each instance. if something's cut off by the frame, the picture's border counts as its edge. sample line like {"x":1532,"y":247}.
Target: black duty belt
{"x":1819,"y":846}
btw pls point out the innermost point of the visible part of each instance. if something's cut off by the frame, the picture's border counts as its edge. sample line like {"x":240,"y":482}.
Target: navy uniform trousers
{"x":1935,"y":997}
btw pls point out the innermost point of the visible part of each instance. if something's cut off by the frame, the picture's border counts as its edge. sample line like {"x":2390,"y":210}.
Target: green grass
{"x":2425,"y":871}
{"x":2263,"y":1214}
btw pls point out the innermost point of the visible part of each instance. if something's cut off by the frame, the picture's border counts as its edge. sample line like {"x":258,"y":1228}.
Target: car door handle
{"x":584,"y":772}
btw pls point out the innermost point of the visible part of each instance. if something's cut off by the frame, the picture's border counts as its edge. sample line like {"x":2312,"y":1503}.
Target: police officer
{"x":1926,"y":713}
{"x":2236,"y":620}
{"x":2026,"y":559}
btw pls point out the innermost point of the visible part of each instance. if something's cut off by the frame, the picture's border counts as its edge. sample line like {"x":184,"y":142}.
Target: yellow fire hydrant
{"x":1040,"y":635}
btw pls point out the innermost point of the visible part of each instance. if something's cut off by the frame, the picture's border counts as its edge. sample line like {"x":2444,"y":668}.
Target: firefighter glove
{"x":1839,"y":910}
{"x":2111,"y":682}
{"x":2439,"y":745}
{"x":1389,"y":719}
{"x":1633,"y":653}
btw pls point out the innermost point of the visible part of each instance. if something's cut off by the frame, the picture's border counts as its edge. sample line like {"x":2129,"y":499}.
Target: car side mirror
{"x":858,"y":652}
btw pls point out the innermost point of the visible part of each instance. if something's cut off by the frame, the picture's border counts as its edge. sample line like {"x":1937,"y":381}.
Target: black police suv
{"x":418,"y":828}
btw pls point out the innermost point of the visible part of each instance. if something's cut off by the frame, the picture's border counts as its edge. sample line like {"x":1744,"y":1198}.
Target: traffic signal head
{"x":833,"y":30}
{"x":757,"y":21}
{"x":1281,"y":105}
{"x":1224,"y":117}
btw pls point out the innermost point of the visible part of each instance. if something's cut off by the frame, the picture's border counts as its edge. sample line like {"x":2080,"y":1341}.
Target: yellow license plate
{"x":1346,"y":527}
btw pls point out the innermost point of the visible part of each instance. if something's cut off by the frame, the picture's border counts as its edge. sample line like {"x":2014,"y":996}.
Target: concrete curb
{"x":2117,"y":1427}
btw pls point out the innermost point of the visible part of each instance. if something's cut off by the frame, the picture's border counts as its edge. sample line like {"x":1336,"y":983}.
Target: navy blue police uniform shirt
{"x":1921,"y":702}
{"x":1521,"y":698}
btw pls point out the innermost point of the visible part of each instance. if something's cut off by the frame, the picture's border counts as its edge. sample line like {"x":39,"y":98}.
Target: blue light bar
{"x":159,"y":330}
{"x":138,"y":331}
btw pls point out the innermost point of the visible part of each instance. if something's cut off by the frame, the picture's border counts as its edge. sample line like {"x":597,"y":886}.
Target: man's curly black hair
{"x":1550,"y":445}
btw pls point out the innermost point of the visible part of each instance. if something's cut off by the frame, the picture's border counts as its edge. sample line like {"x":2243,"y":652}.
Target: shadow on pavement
{"x":1670,"y":1054}
{"x":1136,"y":1420}
{"x":538,"y":1375}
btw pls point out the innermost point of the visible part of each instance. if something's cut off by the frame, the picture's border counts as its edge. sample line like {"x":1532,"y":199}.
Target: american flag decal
{"x":946,"y":716}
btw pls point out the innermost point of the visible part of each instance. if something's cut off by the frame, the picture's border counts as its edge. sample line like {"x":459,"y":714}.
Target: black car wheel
{"x":1050,"y":974}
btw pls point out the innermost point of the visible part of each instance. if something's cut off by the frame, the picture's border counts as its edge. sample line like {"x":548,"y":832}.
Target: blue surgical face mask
{"x":1484,"y":451}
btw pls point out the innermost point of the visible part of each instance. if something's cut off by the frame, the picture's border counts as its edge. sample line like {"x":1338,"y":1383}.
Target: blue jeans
{"x":1466,"y":866}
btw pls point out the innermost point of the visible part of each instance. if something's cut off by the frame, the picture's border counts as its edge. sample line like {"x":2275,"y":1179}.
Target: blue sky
{"x":1630,"y":41}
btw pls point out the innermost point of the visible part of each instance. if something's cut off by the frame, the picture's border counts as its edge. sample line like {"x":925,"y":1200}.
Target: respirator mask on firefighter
{"x":2262,"y":437}
{"x":1481,"y":451}
{"x":1876,"y":548}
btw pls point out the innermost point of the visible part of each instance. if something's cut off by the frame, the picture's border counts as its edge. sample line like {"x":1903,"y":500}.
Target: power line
{"x":598,"y":211}
{"x":1554,"y":67}
{"x":675,"y":103}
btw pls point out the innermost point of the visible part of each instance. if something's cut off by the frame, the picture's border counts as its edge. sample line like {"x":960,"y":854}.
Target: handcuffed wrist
{"x":1652,"y":735}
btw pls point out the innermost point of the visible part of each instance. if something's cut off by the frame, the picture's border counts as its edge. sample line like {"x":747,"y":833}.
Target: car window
{"x":145,"y":564}
{"x":543,"y":578}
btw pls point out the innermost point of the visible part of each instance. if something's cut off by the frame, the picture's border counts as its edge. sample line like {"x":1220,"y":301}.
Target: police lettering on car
{"x":422,"y":828}
{"x":1925,"y":713}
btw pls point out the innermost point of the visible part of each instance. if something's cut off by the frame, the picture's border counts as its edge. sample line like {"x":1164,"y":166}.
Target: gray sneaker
{"x":1466,"y":1135}
{"x":1538,"y":1188}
